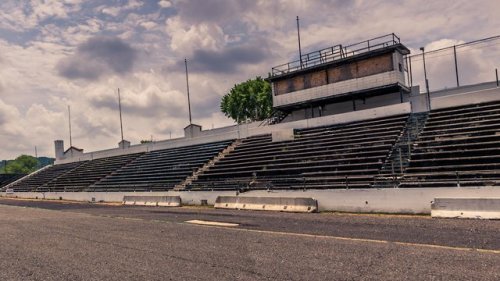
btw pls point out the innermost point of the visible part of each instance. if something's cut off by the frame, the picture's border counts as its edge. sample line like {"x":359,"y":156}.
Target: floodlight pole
{"x":187,"y":87}
{"x":456,"y":64}
{"x":298,"y":37}
{"x":121,"y":123}
{"x":70,"y":138}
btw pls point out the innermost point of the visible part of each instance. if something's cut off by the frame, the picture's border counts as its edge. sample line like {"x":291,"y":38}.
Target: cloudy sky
{"x":74,"y":52}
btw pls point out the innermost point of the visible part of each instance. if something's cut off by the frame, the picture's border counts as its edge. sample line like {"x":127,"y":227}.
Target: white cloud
{"x":186,"y":38}
{"x":34,"y":97}
{"x":165,"y":4}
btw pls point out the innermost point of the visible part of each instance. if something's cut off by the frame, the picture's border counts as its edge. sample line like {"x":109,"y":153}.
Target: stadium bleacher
{"x":88,"y":173}
{"x":340,"y":156}
{"x":42,"y":176}
{"x":161,"y":169}
{"x":6,"y":179}
{"x":458,"y":146}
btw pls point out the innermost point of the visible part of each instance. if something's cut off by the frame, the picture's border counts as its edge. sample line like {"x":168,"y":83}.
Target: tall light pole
{"x":187,"y":87}
{"x":70,"y":138}
{"x":426,"y":80}
{"x":298,"y":37}
{"x":121,"y":123}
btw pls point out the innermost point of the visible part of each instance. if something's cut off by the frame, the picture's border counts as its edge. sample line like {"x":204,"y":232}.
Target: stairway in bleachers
{"x":399,"y":157}
{"x":459,"y":146}
{"x":160,"y":170}
{"x":187,"y":182}
{"x":340,"y":156}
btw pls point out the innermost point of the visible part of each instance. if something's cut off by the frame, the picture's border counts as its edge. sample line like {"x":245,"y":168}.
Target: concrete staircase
{"x":207,"y":165}
{"x":399,"y":157}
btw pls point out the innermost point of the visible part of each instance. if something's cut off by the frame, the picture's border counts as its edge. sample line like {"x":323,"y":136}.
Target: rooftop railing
{"x":335,"y":53}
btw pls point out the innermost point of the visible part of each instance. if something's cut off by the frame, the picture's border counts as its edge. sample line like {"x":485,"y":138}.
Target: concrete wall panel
{"x":390,"y":200}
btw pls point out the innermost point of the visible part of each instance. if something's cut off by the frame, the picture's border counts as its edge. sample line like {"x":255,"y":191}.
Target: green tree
{"x":248,"y":101}
{"x":23,"y":164}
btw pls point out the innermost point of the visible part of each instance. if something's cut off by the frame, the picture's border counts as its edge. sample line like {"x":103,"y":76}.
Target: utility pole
{"x":121,"y":123}
{"x":298,"y":37}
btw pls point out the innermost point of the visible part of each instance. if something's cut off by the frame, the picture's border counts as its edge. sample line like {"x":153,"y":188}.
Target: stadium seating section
{"x":342,"y":156}
{"x":161,"y":169}
{"x":457,"y":146}
{"x":6,"y":179}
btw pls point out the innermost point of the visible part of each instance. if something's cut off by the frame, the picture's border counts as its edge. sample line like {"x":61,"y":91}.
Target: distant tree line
{"x":24,"y":164}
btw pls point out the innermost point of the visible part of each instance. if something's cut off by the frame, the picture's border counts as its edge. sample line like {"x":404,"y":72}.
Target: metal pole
{"x":70,"y":138}
{"x":298,"y":37}
{"x":409,"y":142}
{"x":456,"y":64}
{"x":407,"y":71}
{"x":120,"y":109}
{"x":400,"y":161}
{"x":411,"y":72}
{"x":187,"y":87}
{"x":425,"y":76}
{"x":496,"y":73}
{"x":36,"y":153}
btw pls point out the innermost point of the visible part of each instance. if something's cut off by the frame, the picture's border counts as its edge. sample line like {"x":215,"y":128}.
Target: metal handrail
{"x":336,"y":52}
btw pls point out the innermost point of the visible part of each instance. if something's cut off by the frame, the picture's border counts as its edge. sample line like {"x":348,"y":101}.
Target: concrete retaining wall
{"x":473,"y":208}
{"x":162,"y":201}
{"x":475,"y":97}
{"x":390,"y":200}
{"x":282,"y":204}
{"x":187,"y":198}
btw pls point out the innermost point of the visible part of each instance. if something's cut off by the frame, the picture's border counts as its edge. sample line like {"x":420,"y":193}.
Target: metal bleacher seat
{"x":327,"y":157}
{"x":458,"y":146}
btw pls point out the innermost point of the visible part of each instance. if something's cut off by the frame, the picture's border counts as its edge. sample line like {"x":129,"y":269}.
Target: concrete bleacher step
{"x":464,"y":108}
{"x":230,"y":148}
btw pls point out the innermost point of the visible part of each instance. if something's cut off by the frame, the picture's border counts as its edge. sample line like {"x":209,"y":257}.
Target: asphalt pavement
{"x":52,"y":240}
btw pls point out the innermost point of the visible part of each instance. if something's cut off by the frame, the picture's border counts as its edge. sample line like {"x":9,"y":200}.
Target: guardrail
{"x":336,"y":52}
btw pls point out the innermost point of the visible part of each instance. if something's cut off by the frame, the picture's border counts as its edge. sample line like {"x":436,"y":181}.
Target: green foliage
{"x":146,"y":141}
{"x":248,"y":101}
{"x":23,"y":164}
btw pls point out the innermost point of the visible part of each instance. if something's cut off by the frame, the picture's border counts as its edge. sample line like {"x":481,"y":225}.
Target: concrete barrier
{"x":282,"y":204}
{"x":163,"y":201}
{"x":385,"y":200}
{"x":473,"y":208}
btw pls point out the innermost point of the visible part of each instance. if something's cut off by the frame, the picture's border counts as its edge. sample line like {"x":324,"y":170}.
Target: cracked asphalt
{"x":53,"y":240}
